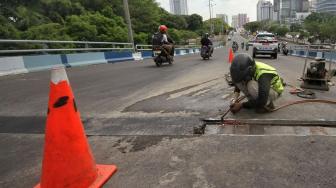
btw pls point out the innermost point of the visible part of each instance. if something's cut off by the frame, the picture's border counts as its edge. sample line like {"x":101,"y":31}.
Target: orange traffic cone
{"x":68,"y":161}
{"x":231,"y":56}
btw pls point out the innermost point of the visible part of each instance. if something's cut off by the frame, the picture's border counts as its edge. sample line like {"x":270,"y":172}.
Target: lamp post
{"x":129,"y":23}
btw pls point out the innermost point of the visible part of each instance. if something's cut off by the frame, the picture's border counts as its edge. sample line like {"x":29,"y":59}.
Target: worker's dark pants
{"x":250,"y":90}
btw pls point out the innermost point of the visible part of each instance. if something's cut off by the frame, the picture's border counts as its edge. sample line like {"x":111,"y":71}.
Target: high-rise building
{"x":313,"y":5}
{"x":259,"y":4}
{"x":242,"y":20}
{"x":179,"y":7}
{"x":234,"y":21}
{"x":286,"y":9}
{"x":259,"y":9}
{"x":326,"y":6}
{"x":276,"y":10}
{"x":264,"y":10}
{"x":224,"y":17}
{"x":301,"y":16}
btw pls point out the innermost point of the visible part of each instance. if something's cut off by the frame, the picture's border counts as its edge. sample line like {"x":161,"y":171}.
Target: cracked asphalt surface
{"x":141,"y":118}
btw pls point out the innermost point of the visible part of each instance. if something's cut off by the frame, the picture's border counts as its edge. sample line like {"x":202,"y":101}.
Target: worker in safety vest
{"x":259,"y":82}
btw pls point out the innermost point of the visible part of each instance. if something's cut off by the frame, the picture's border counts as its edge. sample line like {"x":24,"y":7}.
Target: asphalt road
{"x":141,"y":117}
{"x":130,"y":98}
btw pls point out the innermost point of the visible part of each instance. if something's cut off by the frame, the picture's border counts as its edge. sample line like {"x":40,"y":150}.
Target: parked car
{"x":265,"y":44}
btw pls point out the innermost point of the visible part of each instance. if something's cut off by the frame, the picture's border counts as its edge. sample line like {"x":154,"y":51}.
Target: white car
{"x":265,"y":44}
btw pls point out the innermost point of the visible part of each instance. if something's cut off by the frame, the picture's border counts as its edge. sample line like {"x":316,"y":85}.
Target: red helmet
{"x":163,"y":28}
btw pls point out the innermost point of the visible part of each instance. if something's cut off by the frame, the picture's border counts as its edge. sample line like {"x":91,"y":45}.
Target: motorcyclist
{"x":235,"y":46}
{"x":284,"y":44}
{"x":166,"y":42}
{"x":284,"y":48}
{"x":205,"y":41}
{"x":259,"y":82}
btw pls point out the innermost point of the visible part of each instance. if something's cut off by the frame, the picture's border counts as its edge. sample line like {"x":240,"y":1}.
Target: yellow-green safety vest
{"x":262,"y":68}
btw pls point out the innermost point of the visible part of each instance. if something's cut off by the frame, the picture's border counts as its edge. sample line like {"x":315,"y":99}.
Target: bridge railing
{"x":325,"y":51}
{"x":141,"y":47}
{"x":45,"y":46}
{"x":15,"y":47}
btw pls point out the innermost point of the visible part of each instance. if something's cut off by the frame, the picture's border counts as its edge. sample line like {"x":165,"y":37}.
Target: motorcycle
{"x":205,"y":52}
{"x":284,"y":49}
{"x":235,"y":47}
{"x":160,"y":56}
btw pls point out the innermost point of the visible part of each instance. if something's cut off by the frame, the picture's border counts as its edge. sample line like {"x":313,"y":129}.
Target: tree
{"x":219,"y":25}
{"x":195,"y":22}
{"x":274,"y":28}
{"x":7,"y":29}
{"x":50,"y":31}
{"x":328,"y":30}
{"x":98,"y":20}
{"x":186,"y":35}
{"x":141,"y":38}
{"x":316,"y":21}
{"x":81,"y":30}
{"x":145,"y":15}
{"x":26,"y":18}
{"x":281,"y":31}
{"x":96,"y":27}
{"x":295,"y":27}
{"x":173,"y":21}
{"x":253,"y":26}
{"x":61,"y":7}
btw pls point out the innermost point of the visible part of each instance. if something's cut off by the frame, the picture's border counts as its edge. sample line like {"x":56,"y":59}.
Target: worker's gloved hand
{"x":233,"y":101}
{"x":236,"y":107}
{"x":235,"y":98}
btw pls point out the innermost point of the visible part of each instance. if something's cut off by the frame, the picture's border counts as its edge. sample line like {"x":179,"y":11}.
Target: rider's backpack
{"x":157,"y":39}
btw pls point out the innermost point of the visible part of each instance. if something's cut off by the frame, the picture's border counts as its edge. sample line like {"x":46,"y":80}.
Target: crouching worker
{"x":259,"y":82}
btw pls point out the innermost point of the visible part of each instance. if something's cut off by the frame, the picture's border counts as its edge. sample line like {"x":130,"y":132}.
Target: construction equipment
{"x":315,"y":74}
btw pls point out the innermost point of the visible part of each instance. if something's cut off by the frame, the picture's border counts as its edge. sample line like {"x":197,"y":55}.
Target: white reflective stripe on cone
{"x":58,"y":74}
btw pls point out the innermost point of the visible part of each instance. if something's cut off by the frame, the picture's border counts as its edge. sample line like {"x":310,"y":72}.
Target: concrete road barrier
{"x":42,"y":62}
{"x":146,"y":54}
{"x":86,"y":58}
{"x":12,"y":65}
{"x":24,"y":64}
{"x":329,"y":56}
{"x":120,"y":56}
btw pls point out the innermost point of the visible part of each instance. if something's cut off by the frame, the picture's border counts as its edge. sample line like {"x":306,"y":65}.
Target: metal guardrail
{"x":61,"y":42}
{"x":114,"y":46}
{"x":45,"y":49}
{"x":141,"y":47}
{"x":60,"y":50}
{"x":323,"y":48}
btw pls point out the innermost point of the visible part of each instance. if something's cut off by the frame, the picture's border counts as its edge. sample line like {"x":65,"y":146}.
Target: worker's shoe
{"x":270,"y":106}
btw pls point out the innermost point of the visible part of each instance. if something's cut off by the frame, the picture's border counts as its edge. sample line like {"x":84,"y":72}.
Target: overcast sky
{"x":229,"y":7}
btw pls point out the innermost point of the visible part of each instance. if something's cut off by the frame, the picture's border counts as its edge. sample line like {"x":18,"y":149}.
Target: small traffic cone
{"x":231,"y":56}
{"x":68,"y":161}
